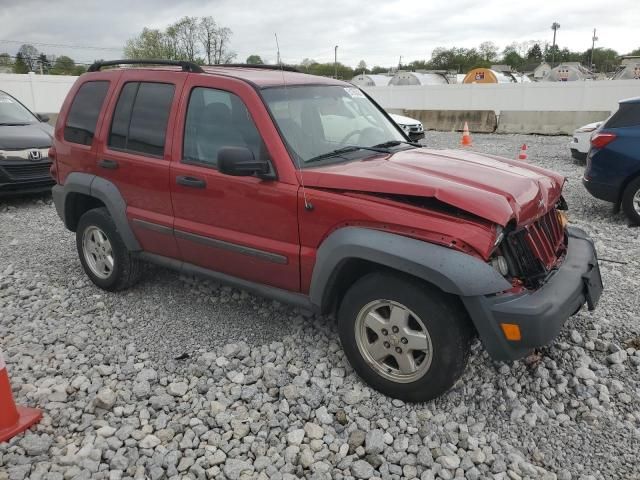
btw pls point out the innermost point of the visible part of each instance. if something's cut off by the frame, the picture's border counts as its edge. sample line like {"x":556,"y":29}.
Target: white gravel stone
{"x":119,"y":394}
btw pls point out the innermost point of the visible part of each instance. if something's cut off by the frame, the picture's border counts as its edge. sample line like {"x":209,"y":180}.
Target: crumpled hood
{"x":491,"y":187}
{"x":23,"y":137}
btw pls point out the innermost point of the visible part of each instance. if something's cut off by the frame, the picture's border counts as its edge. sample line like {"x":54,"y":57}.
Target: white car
{"x":412,"y":127}
{"x":581,"y":141}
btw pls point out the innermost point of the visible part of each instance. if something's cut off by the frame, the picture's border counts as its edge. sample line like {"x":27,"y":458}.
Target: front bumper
{"x":540,"y":314}
{"x":25,"y":177}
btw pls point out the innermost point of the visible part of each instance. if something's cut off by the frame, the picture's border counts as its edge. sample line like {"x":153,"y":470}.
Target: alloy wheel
{"x":394,"y":341}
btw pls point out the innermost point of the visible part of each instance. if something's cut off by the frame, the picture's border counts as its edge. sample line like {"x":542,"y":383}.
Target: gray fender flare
{"x":103,"y":190}
{"x":450,"y":270}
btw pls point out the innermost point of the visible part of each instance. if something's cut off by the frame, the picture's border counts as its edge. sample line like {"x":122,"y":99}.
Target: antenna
{"x":307,"y":205}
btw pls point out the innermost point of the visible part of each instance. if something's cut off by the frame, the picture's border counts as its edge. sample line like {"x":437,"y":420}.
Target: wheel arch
{"x":351,"y":252}
{"x":82,"y":192}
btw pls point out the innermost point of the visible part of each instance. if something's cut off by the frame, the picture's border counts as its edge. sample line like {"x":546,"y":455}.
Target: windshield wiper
{"x":395,"y":143}
{"x":348,"y":149}
{"x":13,"y":124}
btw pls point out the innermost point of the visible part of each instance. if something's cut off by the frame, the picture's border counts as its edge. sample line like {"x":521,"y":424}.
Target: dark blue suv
{"x":613,"y":163}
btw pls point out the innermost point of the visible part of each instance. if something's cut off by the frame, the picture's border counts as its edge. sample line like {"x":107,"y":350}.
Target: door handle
{"x":191,"y":182}
{"x":108,"y":164}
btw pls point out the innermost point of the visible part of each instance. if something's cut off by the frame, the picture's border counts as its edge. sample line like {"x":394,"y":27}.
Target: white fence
{"x":40,"y":93}
{"x":583,"y":96}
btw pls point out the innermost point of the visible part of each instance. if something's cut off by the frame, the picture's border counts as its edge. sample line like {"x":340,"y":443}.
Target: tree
{"x":63,"y":65}
{"x":151,"y":43}
{"x":29,"y":56}
{"x":190,"y":38}
{"x":634,"y":52}
{"x":185,"y":33}
{"x":254,"y":60}
{"x":208,"y":32}
{"x":221,"y":52}
{"x":512,"y":58}
{"x":20,"y":66}
{"x":362,"y":66}
{"x":535,"y":52}
{"x":604,"y":59}
{"x":488,"y":51}
{"x":5,"y":60}
{"x":377,"y":69}
{"x":44,"y":64}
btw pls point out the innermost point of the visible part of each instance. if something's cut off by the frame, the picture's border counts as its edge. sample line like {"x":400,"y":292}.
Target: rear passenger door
{"x":137,"y":150}
{"x":243,"y":226}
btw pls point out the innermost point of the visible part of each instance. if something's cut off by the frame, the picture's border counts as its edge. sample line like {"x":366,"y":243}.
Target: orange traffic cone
{"x":13,"y":419}
{"x":523,"y":152}
{"x":466,"y":137}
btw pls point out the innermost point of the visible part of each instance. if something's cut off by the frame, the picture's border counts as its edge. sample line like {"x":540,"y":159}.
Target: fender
{"x":103,"y":190}
{"x":450,"y":270}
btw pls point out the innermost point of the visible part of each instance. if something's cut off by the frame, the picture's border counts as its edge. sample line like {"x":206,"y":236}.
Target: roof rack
{"x":286,"y":68}
{"x":186,"y":66}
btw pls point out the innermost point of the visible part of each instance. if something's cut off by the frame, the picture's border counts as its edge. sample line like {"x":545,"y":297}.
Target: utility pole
{"x":400,"y":63}
{"x":593,"y":46}
{"x":335,"y":61}
{"x":554,"y":26}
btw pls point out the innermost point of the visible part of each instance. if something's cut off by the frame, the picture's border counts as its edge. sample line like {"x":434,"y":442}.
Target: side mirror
{"x":240,"y":162}
{"x":42,"y":117}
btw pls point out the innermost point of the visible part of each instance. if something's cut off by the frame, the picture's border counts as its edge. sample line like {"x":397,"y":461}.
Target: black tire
{"x":581,"y":157}
{"x":443,"y":316}
{"x":632,"y":212}
{"x":126,"y":268}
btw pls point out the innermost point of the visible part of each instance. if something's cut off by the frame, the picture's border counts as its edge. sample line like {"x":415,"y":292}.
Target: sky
{"x":376,"y":31}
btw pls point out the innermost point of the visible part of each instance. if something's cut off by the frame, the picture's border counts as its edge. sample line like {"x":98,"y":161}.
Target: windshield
{"x":318,"y":120}
{"x":13,"y":113}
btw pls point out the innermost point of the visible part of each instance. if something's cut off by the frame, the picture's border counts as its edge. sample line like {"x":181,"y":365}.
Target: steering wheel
{"x":349,"y":135}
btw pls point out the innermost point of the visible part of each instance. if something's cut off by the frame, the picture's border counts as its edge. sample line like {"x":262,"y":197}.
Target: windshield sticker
{"x":354,"y":92}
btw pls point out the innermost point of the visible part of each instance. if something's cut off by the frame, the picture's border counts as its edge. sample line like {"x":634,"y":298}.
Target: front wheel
{"x":631,"y":201}
{"x":103,"y":254}
{"x":403,"y":337}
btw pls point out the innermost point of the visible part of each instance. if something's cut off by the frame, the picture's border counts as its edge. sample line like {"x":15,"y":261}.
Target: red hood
{"x":494,"y":188}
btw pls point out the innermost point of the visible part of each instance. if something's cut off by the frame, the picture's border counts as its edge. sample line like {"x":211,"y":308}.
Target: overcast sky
{"x":377,"y":31}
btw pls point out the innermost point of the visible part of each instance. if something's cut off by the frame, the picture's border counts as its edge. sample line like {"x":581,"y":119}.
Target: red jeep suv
{"x":302,"y":189}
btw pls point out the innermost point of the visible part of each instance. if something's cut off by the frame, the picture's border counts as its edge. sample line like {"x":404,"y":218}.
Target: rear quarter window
{"x":83,"y":115}
{"x":628,"y":115}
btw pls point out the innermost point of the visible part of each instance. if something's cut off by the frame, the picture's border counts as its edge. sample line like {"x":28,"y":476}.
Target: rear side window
{"x":84,"y":112}
{"x":140,"y":119}
{"x":628,"y":115}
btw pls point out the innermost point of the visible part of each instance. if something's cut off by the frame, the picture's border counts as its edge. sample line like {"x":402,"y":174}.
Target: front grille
{"x":26,"y":171}
{"x":534,"y":249}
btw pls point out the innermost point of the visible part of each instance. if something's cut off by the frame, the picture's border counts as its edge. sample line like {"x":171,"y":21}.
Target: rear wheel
{"x":103,"y":254}
{"x":403,"y":337}
{"x":631,"y":201}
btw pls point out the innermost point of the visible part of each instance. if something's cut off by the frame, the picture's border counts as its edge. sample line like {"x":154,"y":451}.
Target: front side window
{"x":83,"y":114}
{"x":217,"y":119}
{"x":317,"y":120}
{"x":140,"y":119}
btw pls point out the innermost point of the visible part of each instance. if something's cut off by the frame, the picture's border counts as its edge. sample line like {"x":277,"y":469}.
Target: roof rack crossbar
{"x":186,"y":66}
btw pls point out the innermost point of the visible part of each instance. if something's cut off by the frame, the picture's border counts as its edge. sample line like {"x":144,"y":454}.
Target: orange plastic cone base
{"x":13,"y":419}
{"x":26,"y":418}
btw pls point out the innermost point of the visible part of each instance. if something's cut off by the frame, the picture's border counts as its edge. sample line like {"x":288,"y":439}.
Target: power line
{"x":60,"y":45}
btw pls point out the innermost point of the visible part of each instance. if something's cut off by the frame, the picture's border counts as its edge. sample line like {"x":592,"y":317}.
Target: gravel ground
{"x":183,"y":378}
